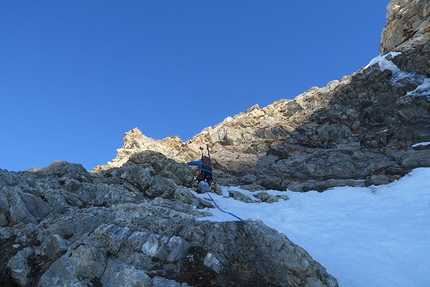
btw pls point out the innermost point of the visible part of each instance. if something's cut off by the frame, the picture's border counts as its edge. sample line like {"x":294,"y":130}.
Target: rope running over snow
{"x":220,"y":207}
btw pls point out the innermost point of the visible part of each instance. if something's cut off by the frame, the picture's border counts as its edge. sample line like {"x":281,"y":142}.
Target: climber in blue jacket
{"x":204,"y":171}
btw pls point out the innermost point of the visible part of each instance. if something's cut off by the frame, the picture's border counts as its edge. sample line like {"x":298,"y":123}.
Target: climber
{"x":204,"y":171}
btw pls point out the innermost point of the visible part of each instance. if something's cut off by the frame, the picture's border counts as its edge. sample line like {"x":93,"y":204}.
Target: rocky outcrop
{"x":406,"y":20}
{"x":135,"y":225}
{"x":359,"y":130}
{"x":135,"y":142}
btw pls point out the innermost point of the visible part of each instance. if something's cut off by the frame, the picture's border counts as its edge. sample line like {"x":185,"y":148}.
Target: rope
{"x":207,"y":191}
{"x":207,"y":188}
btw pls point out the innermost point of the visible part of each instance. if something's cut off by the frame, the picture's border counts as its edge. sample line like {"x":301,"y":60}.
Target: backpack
{"x":206,"y":163}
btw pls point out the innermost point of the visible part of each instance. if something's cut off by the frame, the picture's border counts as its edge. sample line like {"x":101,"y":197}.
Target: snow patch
{"x":422,"y":90}
{"x":385,"y":64}
{"x":421,"y":144}
{"x":398,"y":76}
{"x":376,"y":236}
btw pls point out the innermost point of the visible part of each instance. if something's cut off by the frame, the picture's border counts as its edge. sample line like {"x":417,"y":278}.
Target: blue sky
{"x":76,"y":75}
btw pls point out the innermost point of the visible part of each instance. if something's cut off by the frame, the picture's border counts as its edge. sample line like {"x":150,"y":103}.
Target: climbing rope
{"x":208,"y":188}
{"x":220,"y":209}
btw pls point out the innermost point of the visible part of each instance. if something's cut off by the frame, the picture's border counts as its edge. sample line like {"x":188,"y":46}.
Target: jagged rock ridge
{"x":359,"y":130}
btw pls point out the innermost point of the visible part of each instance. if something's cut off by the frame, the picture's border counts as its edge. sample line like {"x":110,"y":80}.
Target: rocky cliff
{"x":363,"y":129}
{"x":406,"y":19}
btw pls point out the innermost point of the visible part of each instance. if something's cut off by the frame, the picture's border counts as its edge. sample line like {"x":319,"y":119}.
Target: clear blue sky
{"x":76,"y":75}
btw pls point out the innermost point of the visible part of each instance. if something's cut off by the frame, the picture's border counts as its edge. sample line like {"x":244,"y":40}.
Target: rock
{"x":239,"y":196}
{"x":163,"y":282}
{"x":17,"y":206}
{"x":183,"y":194}
{"x":19,"y":269}
{"x":405,"y":20}
{"x":265,"y":197}
{"x":7,"y":178}
{"x":78,"y":267}
{"x":177,"y":248}
{"x":212,"y":262}
{"x":248,"y":247}
{"x":413,"y":159}
{"x":54,"y":245}
{"x":119,"y":274}
{"x":129,"y":237}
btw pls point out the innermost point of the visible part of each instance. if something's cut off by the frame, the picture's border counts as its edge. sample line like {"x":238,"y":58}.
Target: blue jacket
{"x":195,"y":162}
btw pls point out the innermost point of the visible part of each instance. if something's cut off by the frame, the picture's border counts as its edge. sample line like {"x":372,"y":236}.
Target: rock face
{"x":360,"y":130}
{"x":406,"y":19}
{"x":135,"y":225}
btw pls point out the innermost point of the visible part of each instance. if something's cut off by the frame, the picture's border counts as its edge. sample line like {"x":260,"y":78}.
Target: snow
{"x":423,"y":83}
{"x":423,"y":89}
{"x":375,"y":236}
{"x":421,"y":144}
{"x":385,"y":64}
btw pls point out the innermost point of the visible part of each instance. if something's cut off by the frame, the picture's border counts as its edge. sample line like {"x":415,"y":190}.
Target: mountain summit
{"x":371,"y":127}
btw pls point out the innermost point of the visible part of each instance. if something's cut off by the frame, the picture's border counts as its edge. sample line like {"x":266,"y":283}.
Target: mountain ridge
{"x":134,"y":222}
{"x":358,"y":130}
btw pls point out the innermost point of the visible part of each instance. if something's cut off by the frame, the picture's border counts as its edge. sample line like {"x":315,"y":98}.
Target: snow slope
{"x":376,"y":236}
